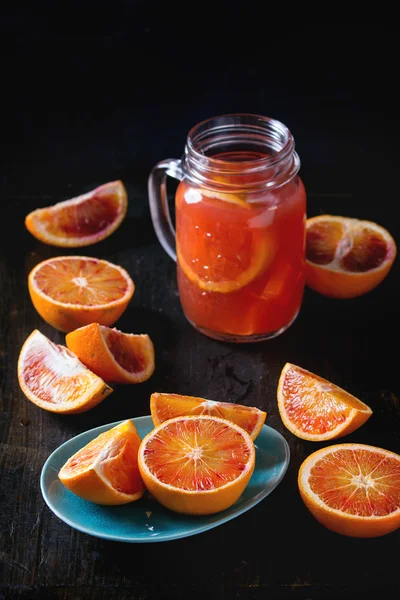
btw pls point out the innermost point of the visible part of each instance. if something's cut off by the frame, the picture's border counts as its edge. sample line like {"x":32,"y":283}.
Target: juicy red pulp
{"x":87,"y":218}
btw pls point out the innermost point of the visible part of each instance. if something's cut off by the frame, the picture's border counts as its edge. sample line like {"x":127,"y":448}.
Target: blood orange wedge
{"x":115,"y":356}
{"x":197,"y":465}
{"x":353,"y":489}
{"x":106,"y":470}
{"x":71,"y":291}
{"x":168,"y":406}
{"x":315,"y":409}
{"x":53,"y":378}
{"x":83,"y":220}
{"x":346,"y":257}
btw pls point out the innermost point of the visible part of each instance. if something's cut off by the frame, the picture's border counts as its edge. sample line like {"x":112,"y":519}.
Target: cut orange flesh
{"x":71,"y":291}
{"x":218,"y":248}
{"x":315,"y":409}
{"x":53,"y":378}
{"x":197,"y":464}
{"x":83,"y":220}
{"x":213,"y":269}
{"x":347,"y":257}
{"x":106,"y":470}
{"x":353,"y":489}
{"x":115,"y":356}
{"x":168,"y":406}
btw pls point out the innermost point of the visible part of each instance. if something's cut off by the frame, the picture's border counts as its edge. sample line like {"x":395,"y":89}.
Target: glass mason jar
{"x":240,"y":227}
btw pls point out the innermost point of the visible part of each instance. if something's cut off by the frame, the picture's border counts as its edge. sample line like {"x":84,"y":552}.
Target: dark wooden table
{"x":70,"y":128}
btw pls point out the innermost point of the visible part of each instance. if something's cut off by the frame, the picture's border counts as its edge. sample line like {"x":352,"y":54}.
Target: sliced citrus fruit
{"x":193,"y":195}
{"x":106,"y":470}
{"x":315,"y":409}
{"x":353,"y":489}
{"x":346,"y":257}
{"x":238,"y":199}
{"x":168,"y":406}
{"x":53,"y":378}
{"x":197,"y":464}
{"x":219,"y":248}
{"x":226,"y":275}
{"x":115,"y":356}
{"x":71,"y":291}
{"x":83,"y":220}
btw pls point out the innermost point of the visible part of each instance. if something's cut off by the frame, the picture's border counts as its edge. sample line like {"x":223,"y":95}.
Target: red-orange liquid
{"x":241,"y":257}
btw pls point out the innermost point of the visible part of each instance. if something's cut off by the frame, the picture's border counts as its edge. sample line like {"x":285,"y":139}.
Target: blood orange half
{"x":197,"y":465}
{"x":353,"y":489}
{"x":72,"y":291}
{"x":347,"y":257}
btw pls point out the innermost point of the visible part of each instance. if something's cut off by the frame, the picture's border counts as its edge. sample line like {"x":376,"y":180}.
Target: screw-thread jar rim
{"x":277,"y":164}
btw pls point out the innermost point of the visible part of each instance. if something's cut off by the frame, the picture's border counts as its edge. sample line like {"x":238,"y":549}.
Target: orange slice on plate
{"x":115,"y":356}
{"x":168,"y":406}
{"x":353,"y":489}
{"x":197,"y":465}
{"x":106,"y":470}
{"x":72,"y":291}
{"x":315,"y":409}
{"x":83,"y":220}
{"x":53,"y":378}
{"x":346,"y":257}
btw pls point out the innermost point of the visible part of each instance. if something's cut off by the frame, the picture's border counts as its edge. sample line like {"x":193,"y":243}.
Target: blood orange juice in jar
{"x":240,"y":227}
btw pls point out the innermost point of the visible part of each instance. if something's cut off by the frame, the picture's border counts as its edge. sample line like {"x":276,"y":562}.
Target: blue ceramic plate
{"x":145,"y":520}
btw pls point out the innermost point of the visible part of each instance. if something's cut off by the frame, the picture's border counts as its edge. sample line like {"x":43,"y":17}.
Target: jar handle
{"x":158,"y":201}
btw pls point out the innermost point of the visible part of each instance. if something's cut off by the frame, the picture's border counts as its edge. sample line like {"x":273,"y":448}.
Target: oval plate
{"x":146,"y":520}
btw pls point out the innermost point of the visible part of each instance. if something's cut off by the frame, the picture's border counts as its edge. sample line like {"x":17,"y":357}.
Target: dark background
{"x":88,"y":98}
